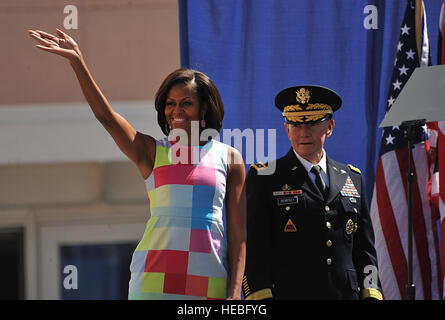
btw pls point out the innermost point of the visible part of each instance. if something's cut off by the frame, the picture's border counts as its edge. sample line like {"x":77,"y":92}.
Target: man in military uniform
{"x":309,"y":232}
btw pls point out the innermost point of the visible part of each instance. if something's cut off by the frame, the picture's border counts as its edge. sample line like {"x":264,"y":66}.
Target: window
{"x":11,"y":266}
{"x":95,"y":271}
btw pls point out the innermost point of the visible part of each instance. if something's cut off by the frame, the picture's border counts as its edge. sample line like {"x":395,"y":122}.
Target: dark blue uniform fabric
{"x":302,"y":246}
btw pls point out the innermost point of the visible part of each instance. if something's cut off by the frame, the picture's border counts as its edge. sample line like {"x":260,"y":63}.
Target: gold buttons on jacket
{"x":355,"y":210}
{"x":287,"y":208}
{"x":328,"y":243}
{"x":328,"y":225}
{"x":326,"y":208}
{"x":328,"y":261}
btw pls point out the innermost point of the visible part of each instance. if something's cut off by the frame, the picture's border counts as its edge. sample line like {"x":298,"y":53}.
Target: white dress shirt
{"x":308,"y":166}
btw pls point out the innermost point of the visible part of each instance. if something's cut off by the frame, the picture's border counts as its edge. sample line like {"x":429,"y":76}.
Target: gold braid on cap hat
{"x":313,"y":112}
{"x":316,"y":112}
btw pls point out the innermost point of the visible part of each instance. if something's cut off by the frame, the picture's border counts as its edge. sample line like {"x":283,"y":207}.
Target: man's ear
{"x":330,"y":128}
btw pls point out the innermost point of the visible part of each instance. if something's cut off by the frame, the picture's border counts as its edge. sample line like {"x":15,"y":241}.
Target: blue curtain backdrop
{"x":252,"y":49}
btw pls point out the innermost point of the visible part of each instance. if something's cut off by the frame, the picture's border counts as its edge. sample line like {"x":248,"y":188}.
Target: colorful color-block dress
{"x":182,"y":254}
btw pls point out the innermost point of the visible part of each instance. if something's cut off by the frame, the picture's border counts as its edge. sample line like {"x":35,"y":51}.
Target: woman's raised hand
{"x":62,"y":44}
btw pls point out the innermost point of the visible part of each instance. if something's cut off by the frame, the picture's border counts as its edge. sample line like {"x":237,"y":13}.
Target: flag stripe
{"x":421,"y":264}
{"x":389,"y":286}
{"x":419,"y":229}
{"x":430,"y":216}
{"x":390,"y":231}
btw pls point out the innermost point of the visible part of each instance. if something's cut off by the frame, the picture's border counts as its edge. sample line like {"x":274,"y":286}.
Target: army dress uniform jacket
{"x":300,"y":246}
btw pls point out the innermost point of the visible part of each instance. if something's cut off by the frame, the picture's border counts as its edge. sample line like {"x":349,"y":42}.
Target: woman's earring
{"x":203,"y":123}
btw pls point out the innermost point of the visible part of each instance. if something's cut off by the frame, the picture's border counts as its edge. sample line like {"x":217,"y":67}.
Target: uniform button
{"x":355,"y":210}
{"x":326,"y":208}
{"x":329,"y":261}
{"x":328,"y":243}
{"x":287,"y":208}
{"x":328,"y":225}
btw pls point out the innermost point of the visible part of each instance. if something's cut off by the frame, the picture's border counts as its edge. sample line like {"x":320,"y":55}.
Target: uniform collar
{"x":308,"y":165}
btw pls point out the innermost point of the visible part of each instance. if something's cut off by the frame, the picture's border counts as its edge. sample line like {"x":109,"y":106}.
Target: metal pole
{"x":410,"y":287}
{"x":410,"y":126}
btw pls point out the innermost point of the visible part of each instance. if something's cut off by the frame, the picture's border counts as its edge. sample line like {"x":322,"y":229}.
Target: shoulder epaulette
{"x":258,"y":166}
{"x":357,"y":170}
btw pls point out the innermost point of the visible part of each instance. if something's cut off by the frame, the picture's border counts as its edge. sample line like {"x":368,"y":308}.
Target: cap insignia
{"x":302,"y":95}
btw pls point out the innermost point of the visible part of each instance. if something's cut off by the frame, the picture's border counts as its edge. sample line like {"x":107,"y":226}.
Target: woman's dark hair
{"x":205,"y":89}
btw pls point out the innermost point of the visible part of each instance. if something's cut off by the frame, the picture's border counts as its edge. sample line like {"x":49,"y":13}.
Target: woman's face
{"x":182,"y":107}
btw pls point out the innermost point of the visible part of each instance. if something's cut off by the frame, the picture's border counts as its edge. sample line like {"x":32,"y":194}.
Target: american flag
{"x":389,"y":205}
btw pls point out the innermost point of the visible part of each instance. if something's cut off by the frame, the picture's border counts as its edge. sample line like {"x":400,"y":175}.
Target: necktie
{"x":319,"y":181}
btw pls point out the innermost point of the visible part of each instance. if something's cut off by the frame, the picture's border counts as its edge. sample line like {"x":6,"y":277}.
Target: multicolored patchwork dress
{"x":182,"y":254}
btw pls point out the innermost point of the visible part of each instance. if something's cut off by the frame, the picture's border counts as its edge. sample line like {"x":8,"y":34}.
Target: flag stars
{"x":391,"y":101}
{"x":407,"y":58}
{"x":410,"y":54}
{"x":405,"y":29}
{"x":390,"y":139}
{"x":403,"y":70}
{"x":397,"y":84}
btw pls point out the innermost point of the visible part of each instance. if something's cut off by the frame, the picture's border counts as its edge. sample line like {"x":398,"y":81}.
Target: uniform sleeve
{"x":257,"y":277}
{"x":364,"y":253}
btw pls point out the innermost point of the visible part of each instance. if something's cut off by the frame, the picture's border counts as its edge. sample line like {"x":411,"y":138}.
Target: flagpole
{"x":410,"y":125}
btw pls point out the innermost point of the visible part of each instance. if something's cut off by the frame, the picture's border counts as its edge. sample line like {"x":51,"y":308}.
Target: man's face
{"x":308,"y":140}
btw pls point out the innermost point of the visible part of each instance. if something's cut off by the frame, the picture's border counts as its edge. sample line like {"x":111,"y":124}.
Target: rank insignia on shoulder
{"x":290,"y":227}
{"x":258,"y":166}
{"x":356,"y":170}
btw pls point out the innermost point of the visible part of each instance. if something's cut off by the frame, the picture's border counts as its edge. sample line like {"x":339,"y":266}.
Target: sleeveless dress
{"x":183,"y":251}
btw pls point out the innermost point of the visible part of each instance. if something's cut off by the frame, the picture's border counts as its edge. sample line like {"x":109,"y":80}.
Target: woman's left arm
{"x":236,"y":221}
